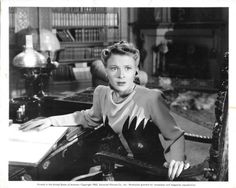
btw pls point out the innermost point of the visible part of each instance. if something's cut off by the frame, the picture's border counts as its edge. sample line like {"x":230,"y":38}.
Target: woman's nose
{"x":121,"y":73}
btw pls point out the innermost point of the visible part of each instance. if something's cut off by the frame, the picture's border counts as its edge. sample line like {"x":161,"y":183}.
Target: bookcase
{"x":83,"y":33}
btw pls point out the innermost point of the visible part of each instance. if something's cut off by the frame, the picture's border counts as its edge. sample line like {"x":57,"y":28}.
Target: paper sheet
{"x":30,"y":148}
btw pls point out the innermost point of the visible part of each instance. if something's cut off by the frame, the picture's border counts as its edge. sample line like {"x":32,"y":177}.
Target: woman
{"x":137,"y":114}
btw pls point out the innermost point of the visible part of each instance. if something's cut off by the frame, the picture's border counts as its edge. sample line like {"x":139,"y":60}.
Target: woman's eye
{"x":128,"y":68}
{"x":113,"y":68}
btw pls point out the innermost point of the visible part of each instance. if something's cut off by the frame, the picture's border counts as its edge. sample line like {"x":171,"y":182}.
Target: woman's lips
{"x":121,"y":83}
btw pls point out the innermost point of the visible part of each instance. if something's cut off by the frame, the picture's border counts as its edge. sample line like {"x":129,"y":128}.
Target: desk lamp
{"x":37,"y":69}
{"x":31,"y":62}
{"x":38,"y":66}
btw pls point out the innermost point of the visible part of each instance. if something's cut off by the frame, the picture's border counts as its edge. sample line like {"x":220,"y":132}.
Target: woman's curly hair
{"x":120,"y":48}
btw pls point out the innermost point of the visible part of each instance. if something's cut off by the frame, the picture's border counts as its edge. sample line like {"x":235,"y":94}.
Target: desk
{"x":72,"y":161}
{"x":27,"y":150}
{"x":31,"y":147}
{"x":58,"y":104}
{"x":63,"y":165}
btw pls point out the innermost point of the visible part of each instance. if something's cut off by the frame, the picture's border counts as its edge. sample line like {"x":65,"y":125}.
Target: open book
{"x":31,"y":147}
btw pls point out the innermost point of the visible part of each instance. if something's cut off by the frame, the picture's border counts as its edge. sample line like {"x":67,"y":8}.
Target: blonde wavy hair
{"x":120,"y":48}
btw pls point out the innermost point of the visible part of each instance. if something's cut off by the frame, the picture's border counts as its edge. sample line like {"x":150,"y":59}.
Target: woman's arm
{"x":173,"y":136}
{"x":87,"y":118}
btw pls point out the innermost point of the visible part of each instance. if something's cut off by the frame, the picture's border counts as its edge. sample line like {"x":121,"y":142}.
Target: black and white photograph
{"x":124,"y":96}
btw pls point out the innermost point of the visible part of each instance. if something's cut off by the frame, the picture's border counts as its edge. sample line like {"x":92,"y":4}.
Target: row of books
{"x":73,"y":53}
{"x":80,"y":9}
{"x":81,"y":35}
{"x":90,"y":35}
{"x":113,"y":34}
{"x":65,"y":19}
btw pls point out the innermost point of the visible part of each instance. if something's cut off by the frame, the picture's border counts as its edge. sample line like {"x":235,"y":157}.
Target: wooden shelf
{"x":68,"y":61}
{"x":70,"y":82}
{"x":82,"y":44}
{"x":85,"y":27}
{"x":79,"y":26}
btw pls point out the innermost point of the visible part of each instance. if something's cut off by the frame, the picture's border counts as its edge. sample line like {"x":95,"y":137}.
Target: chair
{"x":214,"y":168}
{"x":112,"y":158}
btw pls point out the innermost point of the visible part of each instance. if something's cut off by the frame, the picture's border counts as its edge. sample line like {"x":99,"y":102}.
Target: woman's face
{"x":121,"y":71}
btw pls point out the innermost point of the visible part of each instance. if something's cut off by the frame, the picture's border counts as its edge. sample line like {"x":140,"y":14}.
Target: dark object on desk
{"x":23,"y":109}
{"x":67,"y":104}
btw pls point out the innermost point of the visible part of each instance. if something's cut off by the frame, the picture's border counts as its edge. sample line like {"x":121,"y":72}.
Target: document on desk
{"x":31,"y":147}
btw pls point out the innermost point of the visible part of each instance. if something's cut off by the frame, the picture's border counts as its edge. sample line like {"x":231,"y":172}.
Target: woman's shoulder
{"x":100,"y":90}
{"x":149,"y":92}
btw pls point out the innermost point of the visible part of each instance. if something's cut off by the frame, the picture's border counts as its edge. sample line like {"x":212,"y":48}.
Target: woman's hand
{"x":175,"y":168}
{"x":36,"y":124}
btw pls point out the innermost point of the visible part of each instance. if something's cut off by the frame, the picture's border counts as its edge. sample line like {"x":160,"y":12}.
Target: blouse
{"x":142,"y":121}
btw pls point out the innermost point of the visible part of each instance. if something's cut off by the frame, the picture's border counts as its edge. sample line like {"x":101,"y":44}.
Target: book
{"x":81,"y":64}
{"x":71,"y":37}
{"x":82,"y":73}
{"x":62,"y":36}
{"x":31,"y":147}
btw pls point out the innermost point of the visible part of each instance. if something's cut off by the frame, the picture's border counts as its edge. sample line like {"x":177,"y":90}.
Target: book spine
{"x":71,"y":37}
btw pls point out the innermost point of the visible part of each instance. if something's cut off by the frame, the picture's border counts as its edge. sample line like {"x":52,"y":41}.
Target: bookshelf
{"x":83,"y":33}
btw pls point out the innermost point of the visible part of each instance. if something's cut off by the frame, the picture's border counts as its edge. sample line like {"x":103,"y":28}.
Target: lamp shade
{"x":48,"y":41}
{"x":29,"y":58}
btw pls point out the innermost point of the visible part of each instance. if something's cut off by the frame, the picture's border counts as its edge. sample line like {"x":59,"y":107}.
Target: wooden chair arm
{"x":108,"y":158}
{"x":198,"y":138}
